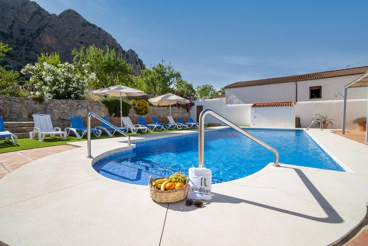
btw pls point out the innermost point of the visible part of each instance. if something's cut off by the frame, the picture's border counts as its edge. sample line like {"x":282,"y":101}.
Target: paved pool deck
{"x":60,"y":200}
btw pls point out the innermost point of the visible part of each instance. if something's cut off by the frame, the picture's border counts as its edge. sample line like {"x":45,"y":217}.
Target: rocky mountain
{"x":30,"y":30}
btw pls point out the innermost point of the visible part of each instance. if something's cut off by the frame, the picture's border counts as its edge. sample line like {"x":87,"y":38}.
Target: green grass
{"x":27,"y":143}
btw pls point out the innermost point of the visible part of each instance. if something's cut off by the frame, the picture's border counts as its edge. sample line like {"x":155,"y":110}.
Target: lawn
{"x":27,"y":143}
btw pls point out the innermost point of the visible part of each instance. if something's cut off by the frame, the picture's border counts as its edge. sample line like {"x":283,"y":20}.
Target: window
{"x":315,"y":92}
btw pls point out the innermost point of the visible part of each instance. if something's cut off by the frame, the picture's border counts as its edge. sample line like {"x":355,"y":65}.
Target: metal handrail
{"x":89,"y":131}
{"x":320,"y":122}
{"x":219,"y":117}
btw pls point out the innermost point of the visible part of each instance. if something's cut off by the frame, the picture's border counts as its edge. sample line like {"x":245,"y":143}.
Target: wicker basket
{"x":167,"y":196}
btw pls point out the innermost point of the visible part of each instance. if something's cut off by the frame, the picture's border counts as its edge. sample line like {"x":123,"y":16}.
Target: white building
{"x":300,"y":88}
{"x":256,"y":103}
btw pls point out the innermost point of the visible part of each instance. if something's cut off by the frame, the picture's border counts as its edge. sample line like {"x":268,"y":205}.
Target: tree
{"x":215,"y":93}
{"x":8,"y":82}
{"x":8,"y":77}
{"x":110,"y":69}
{"x":51,"y":59}
{"x":185,"y":88}
{"x":158,"y":79}
{"x":3,"y":49}
{"x":205,"y":90}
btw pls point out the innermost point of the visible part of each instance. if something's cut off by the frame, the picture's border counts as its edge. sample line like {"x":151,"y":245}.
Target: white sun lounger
{"x":43,"y":126}
{"x":178,"y":125}
{"x":128,"y":124}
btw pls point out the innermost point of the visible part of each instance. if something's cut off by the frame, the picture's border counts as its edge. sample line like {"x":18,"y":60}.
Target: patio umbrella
{"x":168,"y":100}
{"x":119,"y":90}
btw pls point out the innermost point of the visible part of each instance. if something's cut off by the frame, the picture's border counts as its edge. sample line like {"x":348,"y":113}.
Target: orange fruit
{"x":179,"y":185}
{"x":170,"y":186}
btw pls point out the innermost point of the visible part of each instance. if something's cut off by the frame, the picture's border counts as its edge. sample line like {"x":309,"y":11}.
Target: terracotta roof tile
{"x":219,"y":96}
{"x":273,"y":104}
{"x":302,"y":77}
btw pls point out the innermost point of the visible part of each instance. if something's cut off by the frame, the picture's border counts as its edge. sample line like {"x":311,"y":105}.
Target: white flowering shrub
{"x":63,"y":81}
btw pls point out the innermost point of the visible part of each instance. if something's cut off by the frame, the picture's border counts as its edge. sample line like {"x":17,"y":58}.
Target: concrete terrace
{"x":60,"y":200}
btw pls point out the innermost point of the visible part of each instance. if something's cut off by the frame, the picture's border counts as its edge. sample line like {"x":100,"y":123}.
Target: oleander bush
{"x":61,"y":81}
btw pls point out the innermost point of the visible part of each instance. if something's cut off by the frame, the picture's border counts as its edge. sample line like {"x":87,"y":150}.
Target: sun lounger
{"x":197,"y":123}
{"x":164,"y":126}
{"x":43,"y":126}
{"x":181,"y":121}
{"x":134,"y":127}
{"x":153,"y":127}
{"x":7,"y":134}
{"x":108,"y":129}
{"x":178,"y":125}
{"x":77,"y":125}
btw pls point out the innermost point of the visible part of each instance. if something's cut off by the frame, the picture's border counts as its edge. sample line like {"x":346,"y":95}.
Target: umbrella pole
{"x":121,"y":112}
{"x":170,"y":109}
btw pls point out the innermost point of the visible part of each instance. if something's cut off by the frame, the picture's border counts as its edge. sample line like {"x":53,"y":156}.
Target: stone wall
{"x":162,"y":112}
{"x":22,"y":109}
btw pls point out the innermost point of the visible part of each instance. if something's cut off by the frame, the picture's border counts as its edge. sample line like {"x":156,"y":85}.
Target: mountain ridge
{"x":30,"y":30}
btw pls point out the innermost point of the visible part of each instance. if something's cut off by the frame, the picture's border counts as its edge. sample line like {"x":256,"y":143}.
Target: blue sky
{"x":222,"y":42}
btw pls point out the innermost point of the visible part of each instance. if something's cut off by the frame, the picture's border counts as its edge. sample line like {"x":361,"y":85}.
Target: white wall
{"x":261,"y":93}
{"x":329,"y":88}
{"x":287,"y":91}
{"x":238,"y":114}
{"x":280,"y":117}
{"x":243,"y":114}
{"x":333,"y":110}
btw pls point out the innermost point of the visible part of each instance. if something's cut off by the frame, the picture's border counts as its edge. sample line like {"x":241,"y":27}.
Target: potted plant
{"x":325,"y":121}
{"x":362,"y":123}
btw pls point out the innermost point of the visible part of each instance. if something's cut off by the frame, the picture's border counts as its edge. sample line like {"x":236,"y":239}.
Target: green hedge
{"x":113,"y":105}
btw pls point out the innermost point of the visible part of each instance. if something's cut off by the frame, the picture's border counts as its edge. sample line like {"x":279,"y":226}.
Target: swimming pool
{"x":229,"y":154}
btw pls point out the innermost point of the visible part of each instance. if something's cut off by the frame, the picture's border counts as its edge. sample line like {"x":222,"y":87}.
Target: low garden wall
{"x":333,"y":109}
{"x":22,"y":109}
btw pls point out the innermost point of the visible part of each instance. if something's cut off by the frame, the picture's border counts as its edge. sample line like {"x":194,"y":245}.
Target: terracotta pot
{"x":325,"y":125}
{"x":362,"y":126}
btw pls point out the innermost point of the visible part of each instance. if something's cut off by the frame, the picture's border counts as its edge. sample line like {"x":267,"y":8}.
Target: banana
{"x":163,"y":185}
{"x":160,"y":181}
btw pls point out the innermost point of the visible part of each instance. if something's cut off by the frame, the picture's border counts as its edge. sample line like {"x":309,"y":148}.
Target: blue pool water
{"x":229,"y":154}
